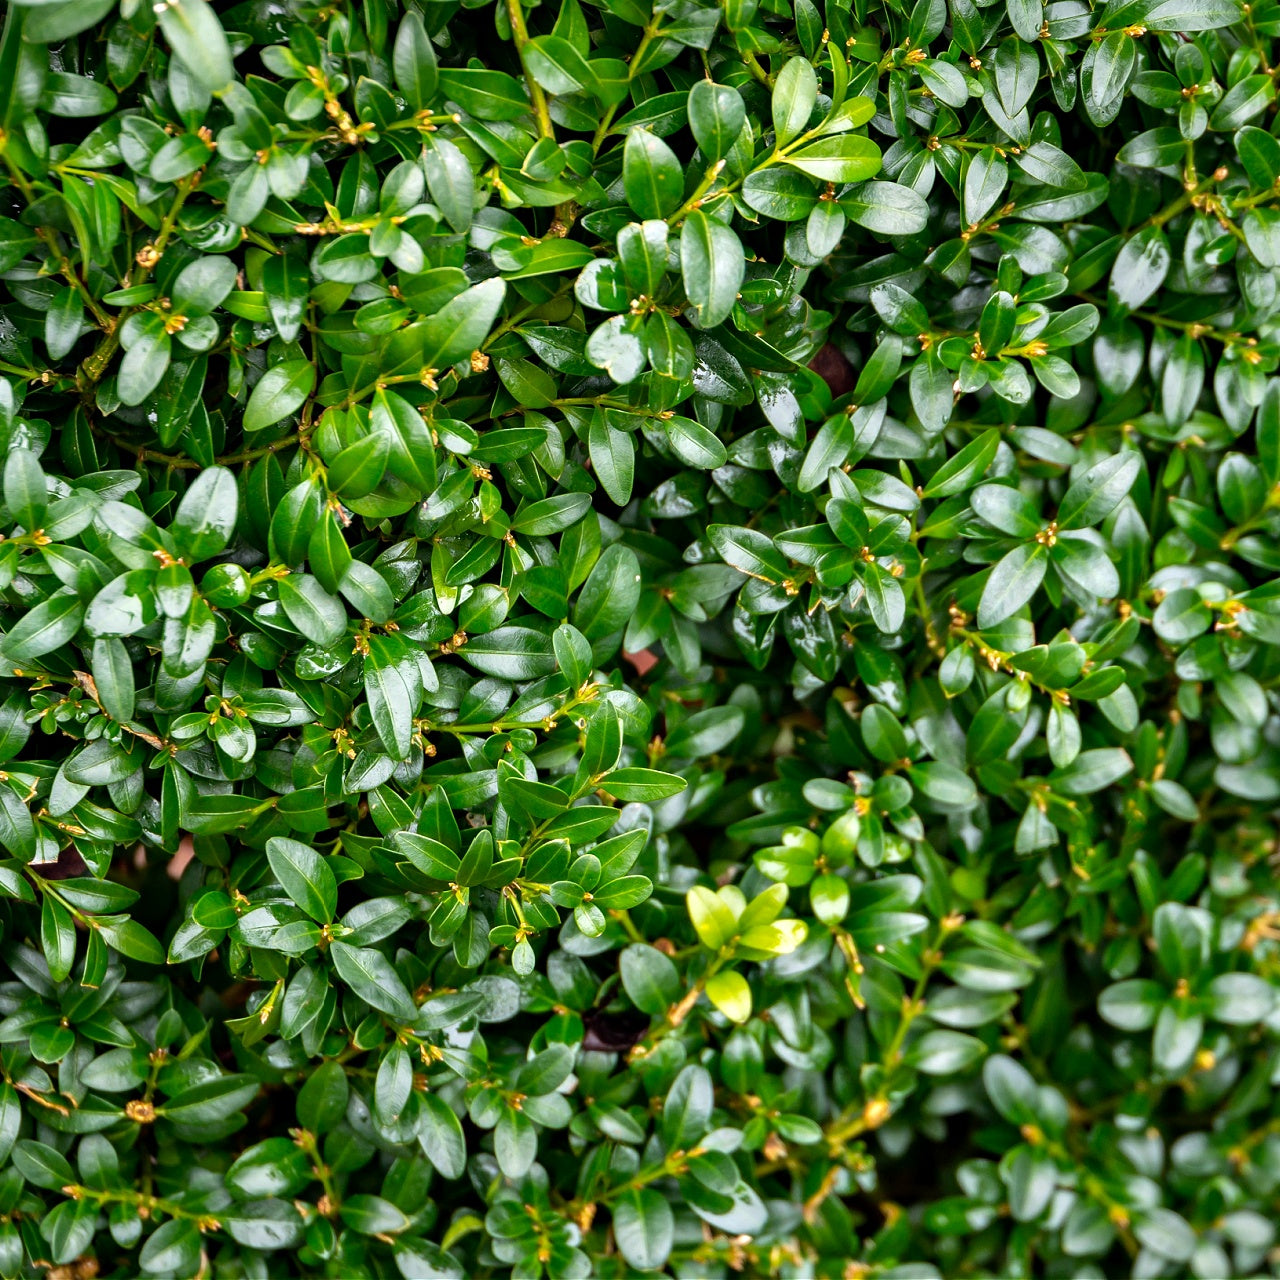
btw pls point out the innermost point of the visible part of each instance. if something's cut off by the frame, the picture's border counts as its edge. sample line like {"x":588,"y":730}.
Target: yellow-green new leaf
{"x":729,"y":992}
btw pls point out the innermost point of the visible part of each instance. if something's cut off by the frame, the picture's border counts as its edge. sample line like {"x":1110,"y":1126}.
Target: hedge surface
{"x":639,"y":640}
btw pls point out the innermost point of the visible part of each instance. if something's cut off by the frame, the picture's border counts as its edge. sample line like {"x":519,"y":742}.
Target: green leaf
{"x":450,"y":181}
{"x":1172,"y":15}
{"x":829,"y":448}
{"x":413,"y":61}
{"x":887,"y":208}
{"x":63,"y":322}
{"x":885,"y":598}
{"x":286,"y":284}
{"x":1140,"y":267}
{"x":845,"y":158}
{"x":776,"y":192}
{"x":57,"y":938}
{"x":1092,"y":771}
{"x":1132,"y":1005}
{"x":305,"y":876}
{"x":1099,"y":491}
{"x":795,"y":94}
{"x":112,"y":668}
{"x":47,"y":627}
{"x":944,"y":784}
{"x":617,"y":347}
{"x":410,"y":450}
{"x":946,"y":1053}
{"x":357,"y":470}
{"x":512,"y":653}
{"x":643,"y":784}
{"x":201,"y":285}
{"x":686,"y":1113}
{"x":146,"y":360}
{"x":206,"y":516}
{"x":1181,"y":616}
{"x":609,"y":595}
{"x":369,"y":974}
{"x":649,"y":978}
{"x":644,"y":1229}
{"x":551,"y":515}
{"x":693,"y":444}
{"x":210,"y":1100}
{"x":716,"y":117}
{"x":1166,"y":1234}
{"x":984,"y":183}
{"x":1240,"y":999}
{"x":26,"y":490}
{"x":705,"y":732}
{"x":312,"y":610}
{"x":392,"y":701}
{"x":461,"y":326}
{"x":651,"y":175}
{"x":42,"y":1166}
{"x":613,"y":459}
{"x":440,"y":1135}
{"x":172,"y":1250}
{"x":1013,"y":582}
{"x":1104,"y":75}
{"x":281,"y":391}
{"x":964,"y":468}
{"x":713,"y":265}
{"x":130,"y":939}
{"x":558,"y":66}
{"x":750,"y":552}
{"x":194,"y":33}
{"x":487,"y":95}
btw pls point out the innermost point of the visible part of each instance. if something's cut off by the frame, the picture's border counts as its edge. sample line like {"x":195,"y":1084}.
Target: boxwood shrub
{"x":639,"y":639}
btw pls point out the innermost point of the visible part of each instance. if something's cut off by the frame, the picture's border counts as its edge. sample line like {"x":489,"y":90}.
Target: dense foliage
{"x":639,"y":639}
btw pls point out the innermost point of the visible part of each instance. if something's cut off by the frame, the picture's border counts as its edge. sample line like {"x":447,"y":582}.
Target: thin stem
{"x":547,"y":723}
{"x":606,"y":121}
{"x":1196,"y":328}
{"x":50,"y":239}
{"x":95,"y":364}
{"x":307,"y":1141}
{"x":871,"y":1114}
{"x":520,"y":35}
{"x":44,"y":376}
{"x":628,"y":926}
{"x":144,"y":454}
{"x":1175,"y":207}
{"x":141,"y":1201}
{"x":679,"y":1011}
{"x":756,"y":69}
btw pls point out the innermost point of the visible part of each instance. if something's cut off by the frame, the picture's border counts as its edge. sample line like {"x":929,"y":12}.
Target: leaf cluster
{"x":636,"y":639}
